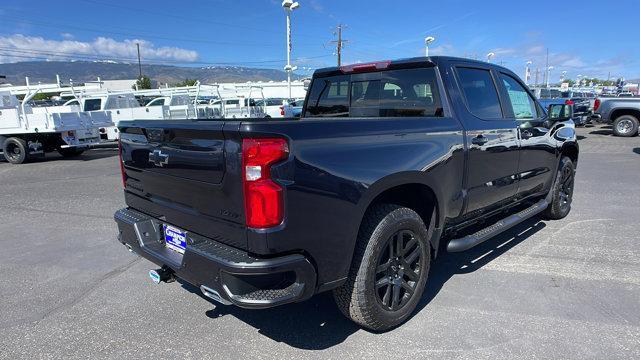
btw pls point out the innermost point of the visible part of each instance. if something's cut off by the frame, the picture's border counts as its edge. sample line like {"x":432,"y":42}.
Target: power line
{"x":42,"y":55}
{"x":185,"y":18}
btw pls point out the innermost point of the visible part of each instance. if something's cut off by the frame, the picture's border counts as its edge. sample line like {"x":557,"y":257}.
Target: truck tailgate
{"x":186,"y":173}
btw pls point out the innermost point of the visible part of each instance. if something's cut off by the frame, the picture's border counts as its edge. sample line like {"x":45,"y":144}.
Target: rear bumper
{"x":597,"y":118}
{"x":236,"y":276}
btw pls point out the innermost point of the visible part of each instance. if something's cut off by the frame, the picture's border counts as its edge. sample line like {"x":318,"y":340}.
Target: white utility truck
{"x":28,"y":132}
{"x":125,"y":106}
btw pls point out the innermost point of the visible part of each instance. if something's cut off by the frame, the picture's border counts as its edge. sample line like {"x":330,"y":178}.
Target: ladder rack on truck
{"x":27,"y":132}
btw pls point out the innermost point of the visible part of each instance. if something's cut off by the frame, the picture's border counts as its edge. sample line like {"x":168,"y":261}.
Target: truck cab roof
{"x":399,"y":64}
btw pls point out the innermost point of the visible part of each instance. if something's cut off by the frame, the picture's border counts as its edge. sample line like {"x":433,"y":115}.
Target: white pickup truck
{"x":27,"y":132}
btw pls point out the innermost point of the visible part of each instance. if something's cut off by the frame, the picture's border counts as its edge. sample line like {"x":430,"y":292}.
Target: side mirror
{"x":560,"y":112}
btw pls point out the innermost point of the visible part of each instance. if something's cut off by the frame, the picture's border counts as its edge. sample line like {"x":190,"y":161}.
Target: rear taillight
{"x":568,"y":102}
{"x":282,"y":110}
{"x":596,"y":105}
{"x":122,"y":172}
{"x":263,"y":197}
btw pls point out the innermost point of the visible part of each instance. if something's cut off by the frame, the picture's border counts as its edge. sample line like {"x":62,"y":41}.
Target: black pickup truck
{"x":390,"y":164}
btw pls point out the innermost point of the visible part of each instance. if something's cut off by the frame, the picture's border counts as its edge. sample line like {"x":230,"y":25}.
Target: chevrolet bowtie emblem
{"x":158,"y":158}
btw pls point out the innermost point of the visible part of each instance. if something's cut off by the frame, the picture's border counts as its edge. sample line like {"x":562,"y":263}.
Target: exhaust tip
{"x":213,"y":295}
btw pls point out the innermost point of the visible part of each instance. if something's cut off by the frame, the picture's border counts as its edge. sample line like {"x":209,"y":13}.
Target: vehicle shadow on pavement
{"x":317,"y":323}
{"x":90,"y":155}
{"x":448,"y":265}
{"x":636,"y":150}
{"x":314,"y":324}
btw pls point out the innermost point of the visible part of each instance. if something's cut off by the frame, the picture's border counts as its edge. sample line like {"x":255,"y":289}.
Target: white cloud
{"x":445,"y":49}
{"x":19,"y":47}
{"x":67,"y":36}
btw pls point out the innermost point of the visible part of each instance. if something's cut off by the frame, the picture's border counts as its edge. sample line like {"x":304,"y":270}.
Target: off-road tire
{"x":562,"y":191}
{"x":358,"y":298}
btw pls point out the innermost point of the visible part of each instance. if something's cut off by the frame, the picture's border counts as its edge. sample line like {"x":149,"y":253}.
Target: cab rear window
{"x":395,"y":93}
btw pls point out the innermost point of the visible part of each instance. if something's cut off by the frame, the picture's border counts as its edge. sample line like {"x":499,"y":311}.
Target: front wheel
{"x":389,"y":270}
{"x":625,"y":125}
{"x":562,"y":191}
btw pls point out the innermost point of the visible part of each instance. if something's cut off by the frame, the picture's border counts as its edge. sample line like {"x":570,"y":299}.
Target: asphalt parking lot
{"x":563,"y":289}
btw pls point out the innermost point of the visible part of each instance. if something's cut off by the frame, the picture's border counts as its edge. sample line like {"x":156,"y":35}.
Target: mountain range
{"x":83,"y":71}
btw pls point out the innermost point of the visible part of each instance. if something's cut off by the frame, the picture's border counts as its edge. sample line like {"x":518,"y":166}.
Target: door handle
{"x":526,"y":134}
{"x":479,"y":140}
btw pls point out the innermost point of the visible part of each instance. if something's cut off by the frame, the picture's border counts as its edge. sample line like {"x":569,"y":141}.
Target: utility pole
{"x":339,"y":43}
{"x":139,"y":64}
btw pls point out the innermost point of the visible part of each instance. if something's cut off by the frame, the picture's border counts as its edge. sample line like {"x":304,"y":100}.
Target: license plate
{"x":175,"y":238}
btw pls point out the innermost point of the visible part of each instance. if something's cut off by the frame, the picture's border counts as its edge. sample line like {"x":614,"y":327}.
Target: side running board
{"x":469,"y":241}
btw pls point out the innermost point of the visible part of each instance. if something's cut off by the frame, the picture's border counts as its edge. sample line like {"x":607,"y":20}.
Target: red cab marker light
{"x":365,"y":67}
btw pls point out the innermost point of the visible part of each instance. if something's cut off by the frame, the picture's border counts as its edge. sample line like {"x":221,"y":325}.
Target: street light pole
{"x":289,"y":6}
{"x":527,"y":72}
{"x":489,"y":56}
{"x":428,"y":40}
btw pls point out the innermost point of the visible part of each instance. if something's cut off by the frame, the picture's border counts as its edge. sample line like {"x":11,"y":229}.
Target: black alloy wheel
{"x":398,"y":270}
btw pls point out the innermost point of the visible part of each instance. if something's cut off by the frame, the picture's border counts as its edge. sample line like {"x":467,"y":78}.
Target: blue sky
{"x":589,"y":38}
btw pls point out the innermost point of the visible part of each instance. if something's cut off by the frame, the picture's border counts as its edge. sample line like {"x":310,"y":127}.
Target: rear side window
{"x":480,"y":93}
{"x":410,"y":92}
{"x":329,"y":97}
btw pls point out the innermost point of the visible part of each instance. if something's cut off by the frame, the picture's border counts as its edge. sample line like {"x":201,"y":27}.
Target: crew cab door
{"x":538,"y":158}
{"x":491,"y":139}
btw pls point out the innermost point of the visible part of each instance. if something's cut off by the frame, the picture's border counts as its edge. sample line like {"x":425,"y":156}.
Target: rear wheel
{"x":15,"y":150}
{"x":625,"y":125}
{"x":389,"y":270}
{"x":562,"y":191}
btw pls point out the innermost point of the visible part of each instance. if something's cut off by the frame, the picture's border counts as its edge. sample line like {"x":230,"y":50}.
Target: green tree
{"x":187,"y":82}
{"x":41,"y":96}
{"x":143,"y":82}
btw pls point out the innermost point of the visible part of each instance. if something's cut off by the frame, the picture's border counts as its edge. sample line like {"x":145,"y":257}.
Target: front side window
{"x":157,"y":102}
{"x":329,"y":97}
{"x":480,"y":93}
{"x":524,"y":107}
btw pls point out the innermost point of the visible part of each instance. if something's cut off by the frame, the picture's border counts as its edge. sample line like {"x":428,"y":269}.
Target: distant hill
{"x":82,"y":71}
